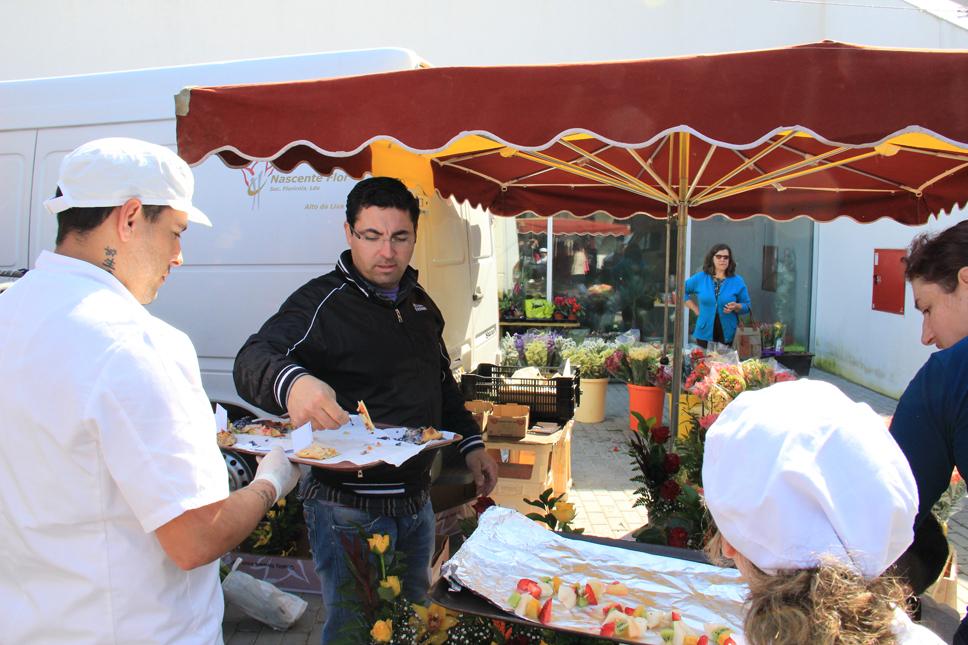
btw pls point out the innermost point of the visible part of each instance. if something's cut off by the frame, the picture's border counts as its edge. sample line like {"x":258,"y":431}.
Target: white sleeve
{"x":156,"y":429}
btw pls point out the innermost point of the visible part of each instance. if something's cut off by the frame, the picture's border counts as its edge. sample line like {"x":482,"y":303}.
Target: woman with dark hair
{"x":823,"y":507}
{"x":721,"y":294}
{"x":931,"y":420}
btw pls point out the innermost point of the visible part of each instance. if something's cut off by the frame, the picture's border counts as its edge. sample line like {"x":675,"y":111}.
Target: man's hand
{"x":276,"y":469}
{"x":484,"y":469}
{"x":313,"y":400}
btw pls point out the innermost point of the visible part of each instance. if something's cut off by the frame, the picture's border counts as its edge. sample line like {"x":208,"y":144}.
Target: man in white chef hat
{"x":813,"y":500}
{"x":114,"y":502}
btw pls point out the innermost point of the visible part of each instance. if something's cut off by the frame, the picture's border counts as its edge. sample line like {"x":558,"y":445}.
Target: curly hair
{"x":938,"y":258}
{"x":830,"y":605}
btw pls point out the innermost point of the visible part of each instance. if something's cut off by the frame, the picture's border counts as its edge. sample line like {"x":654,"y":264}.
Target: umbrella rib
{"x":938,"y":178}
{"x":858,"y":171}
{"x":479,"y":174}
{"x":647,"y":166}
{"x":779,"y":175}
{"x":583,"y":172}
{"x":752,"y":160}
{"x":641,"y":185}
{"x":702,"y":169}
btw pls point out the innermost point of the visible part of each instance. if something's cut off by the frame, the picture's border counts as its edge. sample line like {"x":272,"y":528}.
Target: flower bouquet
{"x":637,"y":364}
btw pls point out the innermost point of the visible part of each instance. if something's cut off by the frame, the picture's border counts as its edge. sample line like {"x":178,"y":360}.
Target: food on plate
{"x":422,"y":435}
{"x":225,"y":439}
{"x":317,"y":451}
{"x":536,"y":599}
{"x":266,"y":428}
{"x":365,"y":416}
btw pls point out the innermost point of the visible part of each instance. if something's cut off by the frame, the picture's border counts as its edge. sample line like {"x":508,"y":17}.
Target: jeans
{"x":411,"y":535}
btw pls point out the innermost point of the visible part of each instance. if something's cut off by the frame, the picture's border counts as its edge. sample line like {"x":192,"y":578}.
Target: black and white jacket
{"x":389,"y":354}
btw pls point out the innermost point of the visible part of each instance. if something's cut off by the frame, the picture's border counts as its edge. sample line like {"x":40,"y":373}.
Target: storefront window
{"x":614,"y":269}
{"x":776,"y":262}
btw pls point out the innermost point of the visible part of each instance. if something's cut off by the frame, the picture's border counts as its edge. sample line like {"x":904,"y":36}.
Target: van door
{"x":483,"y":279}
{"x":16,"y":168}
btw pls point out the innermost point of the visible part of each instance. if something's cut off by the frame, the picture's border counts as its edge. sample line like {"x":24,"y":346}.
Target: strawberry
{"x":703,"y":640}
{"x":608,"y":629}
{"x":590,"y":595}
{"x":676,"y":616}
{"x":531,"y":587}
{"x":545,"y":614}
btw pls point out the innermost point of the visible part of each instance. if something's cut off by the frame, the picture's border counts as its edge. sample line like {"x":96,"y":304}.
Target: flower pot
{"x":647,"y":401}
{"x":592,"y":406}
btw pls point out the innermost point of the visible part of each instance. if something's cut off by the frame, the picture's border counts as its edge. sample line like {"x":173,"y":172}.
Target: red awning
{"x":788,"y":132}
{"x":572,"y":227}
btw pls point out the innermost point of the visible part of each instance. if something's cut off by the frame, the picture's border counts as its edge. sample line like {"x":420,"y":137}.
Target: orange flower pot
{"x":647,"y":401}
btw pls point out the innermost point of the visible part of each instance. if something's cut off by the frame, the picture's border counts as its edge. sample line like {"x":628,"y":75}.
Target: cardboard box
{"x":509,"y":420}
{"x":481,"y":410}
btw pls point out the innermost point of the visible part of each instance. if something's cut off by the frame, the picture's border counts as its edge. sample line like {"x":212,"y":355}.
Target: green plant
{"x":556,"y":513}
{"x":279,"y":532}
{"x":589,"y":357}
{"x":677,"y":516}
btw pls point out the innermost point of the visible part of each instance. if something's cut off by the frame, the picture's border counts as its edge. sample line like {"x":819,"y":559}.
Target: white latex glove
{"x":276,"y":469}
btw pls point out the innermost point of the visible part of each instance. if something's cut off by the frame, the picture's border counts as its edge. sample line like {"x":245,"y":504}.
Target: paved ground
{"x":602,"y":490}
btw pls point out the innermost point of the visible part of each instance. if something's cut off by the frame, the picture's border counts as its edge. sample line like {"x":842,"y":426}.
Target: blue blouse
{"x":733,"y":289}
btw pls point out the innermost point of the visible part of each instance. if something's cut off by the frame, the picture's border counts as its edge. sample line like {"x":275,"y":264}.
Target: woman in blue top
{"x":722,"y":296}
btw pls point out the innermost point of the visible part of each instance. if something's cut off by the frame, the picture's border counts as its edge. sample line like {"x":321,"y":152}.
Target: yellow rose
{"x":392,"y":583}
{"x":379,"y":543}
{"x":564,"y":512}
{"x":382,"y":631}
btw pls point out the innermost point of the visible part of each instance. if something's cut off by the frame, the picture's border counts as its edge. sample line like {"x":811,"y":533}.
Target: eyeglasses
{"x":720,"y":256}
{"x":397,"y":240}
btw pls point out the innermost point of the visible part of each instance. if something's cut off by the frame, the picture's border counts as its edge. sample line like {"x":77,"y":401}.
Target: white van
{"x":272,"y":231}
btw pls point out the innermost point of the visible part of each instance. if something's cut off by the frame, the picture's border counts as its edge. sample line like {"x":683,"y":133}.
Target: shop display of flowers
{"x":671,"y":470}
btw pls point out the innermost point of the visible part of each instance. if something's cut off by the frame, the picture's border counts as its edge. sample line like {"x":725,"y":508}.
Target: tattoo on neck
{"x":109,"y":255}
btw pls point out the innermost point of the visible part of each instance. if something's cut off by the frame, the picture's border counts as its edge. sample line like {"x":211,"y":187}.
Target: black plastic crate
{"x":551,"y":399}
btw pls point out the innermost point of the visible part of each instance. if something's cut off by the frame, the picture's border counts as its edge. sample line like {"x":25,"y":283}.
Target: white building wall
{"x":880,"y":350}
{"x":60,"y":37}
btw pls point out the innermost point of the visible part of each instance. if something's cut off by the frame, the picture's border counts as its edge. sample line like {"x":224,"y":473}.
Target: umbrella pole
{"x":665,"y":287}
{"x":682,"y":217}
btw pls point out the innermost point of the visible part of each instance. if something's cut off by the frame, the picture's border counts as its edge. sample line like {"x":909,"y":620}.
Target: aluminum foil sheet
{"x":508,"y":546}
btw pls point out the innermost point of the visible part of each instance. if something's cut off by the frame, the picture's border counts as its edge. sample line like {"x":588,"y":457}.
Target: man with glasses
{"x":365,"y":331}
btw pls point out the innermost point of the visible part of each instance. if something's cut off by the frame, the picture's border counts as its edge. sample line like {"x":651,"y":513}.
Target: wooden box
{"x":508,"y":420}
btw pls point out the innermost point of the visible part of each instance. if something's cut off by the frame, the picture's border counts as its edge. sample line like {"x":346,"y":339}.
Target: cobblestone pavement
{"x":603,"y":492}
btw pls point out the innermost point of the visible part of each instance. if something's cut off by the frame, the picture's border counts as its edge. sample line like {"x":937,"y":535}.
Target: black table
{"x":468,"y":602}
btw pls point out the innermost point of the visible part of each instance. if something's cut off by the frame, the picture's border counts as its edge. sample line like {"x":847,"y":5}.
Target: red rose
{"x":671,"y":463}
{"x":660,"y":434}
{"x":679,"y":537}
{"x":482,"y":504}
{"x":669,"y":490}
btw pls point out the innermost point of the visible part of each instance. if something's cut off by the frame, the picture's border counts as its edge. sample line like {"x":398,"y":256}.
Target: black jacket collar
{"x":346,"y":268}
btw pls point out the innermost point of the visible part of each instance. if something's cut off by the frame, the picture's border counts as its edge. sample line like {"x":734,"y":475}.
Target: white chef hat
{"x":798,"y":472}
{"x":109,"y":172}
